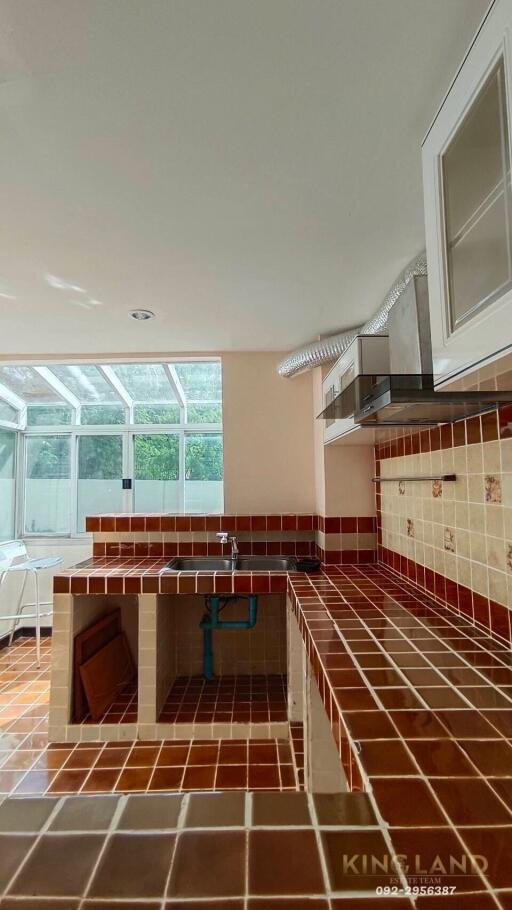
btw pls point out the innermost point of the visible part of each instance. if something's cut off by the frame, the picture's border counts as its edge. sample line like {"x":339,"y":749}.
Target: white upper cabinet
{"x":468,"y":206}
{"x":367,"y":355}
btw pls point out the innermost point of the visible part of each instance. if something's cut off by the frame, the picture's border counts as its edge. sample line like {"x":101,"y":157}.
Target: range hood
{"x":407,"y":400}
{"x":406,"y":396}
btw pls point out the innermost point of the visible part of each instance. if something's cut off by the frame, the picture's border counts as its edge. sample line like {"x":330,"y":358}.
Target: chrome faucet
{"x":224,"y":537}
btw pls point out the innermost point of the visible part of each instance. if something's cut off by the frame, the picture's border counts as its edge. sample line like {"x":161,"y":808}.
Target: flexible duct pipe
{"x":333,"y":346}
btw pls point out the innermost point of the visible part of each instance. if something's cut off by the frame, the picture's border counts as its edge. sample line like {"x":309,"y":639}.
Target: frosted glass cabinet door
{"x":468,"y":206}
{"x":476,"y":190}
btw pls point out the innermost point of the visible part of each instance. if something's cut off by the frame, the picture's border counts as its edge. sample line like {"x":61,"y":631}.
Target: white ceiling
{"x":247,"y":169}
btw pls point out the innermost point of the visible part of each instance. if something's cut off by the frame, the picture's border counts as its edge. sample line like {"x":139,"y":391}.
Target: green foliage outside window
{"x":203,"y":457}
{"x":157,"y":457}
{"x":48,"y":415}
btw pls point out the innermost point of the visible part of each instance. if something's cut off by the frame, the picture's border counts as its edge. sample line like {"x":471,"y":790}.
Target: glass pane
{"x":100,"y":471}
{"x":7,"y":483}
{"x":28,"y":384}
{"x":145,"y":381}
{"x":201,"y":381}
{"x":204,"y":472}
{"x":159,"y":413}
{"x":8,"y":413}
{"x":477,"y":196}
{"x":157,"y":471}
{"x":86,"y":382}
{"x":102,"y":414}
{"x":47,"y":485}
{"x":48,"y":416}
{"x":204,"y":413}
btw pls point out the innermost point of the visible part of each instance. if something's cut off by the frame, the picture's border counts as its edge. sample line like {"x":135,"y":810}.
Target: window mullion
{"x":73,"y":529}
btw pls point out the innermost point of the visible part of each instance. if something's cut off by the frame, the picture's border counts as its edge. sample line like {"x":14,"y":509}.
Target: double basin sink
{"x":241,"y":564}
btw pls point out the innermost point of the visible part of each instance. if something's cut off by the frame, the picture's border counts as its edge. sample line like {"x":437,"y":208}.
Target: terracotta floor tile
{"x":34,"y":782}
{"x":133,"y":779}
{"x":112,"y":757}
{"x":495,"y":845}
{"x":166,"y":778}
{"x":480,"y":901}
{"x":300,"y":874}
{"x":441,"y":758}
{"x":418,"y":724}
{"x":173,"y":755}
{"x":352,"y":876}
{"x":59,"y":866}
{"x":467,"y":724}
{"x":386,"y":757}
{"x":133,"y":865}
{"x":231,"y":777}
{"x":81,"y":758}
{"x":13,"y":849}
{"x":208,"y":864}
{"x":101,"y":780}
{"x":68,"y":781}
{"x":142,"y":757}
{"x":39,"y":903}
{"x":491,"y":758}
{"x":199,"y":777}
{"x":344,"y":809}
{"x":471,"y":802}
{"x":203,"y":755}
{"x":406,"y":802}
{"x":432,"y":845}
{"x":264,"y":777}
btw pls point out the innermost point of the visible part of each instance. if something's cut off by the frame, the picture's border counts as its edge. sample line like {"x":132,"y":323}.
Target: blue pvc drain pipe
{"x":211,"y":621}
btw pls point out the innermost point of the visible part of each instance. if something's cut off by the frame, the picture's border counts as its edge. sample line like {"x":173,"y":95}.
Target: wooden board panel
{"x":85,"y":645}
{"x":106,"y":674}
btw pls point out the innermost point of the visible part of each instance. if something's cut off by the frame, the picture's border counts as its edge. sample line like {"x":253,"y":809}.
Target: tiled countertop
{"x":420,"y":704}
{"x":112,"y":575}
{"x":419,"y":701}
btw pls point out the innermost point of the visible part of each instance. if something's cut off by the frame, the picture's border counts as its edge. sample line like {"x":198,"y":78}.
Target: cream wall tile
{"x":498,"y":586}
{"x":492,"y":457}
{"x":475,"y":459}
{"x":506,"y":455}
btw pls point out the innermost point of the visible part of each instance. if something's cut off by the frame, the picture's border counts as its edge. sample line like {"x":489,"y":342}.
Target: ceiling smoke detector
{"x":142,"y":315}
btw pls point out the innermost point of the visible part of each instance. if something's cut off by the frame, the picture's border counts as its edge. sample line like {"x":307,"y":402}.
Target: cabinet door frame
{"x":488,"y":334}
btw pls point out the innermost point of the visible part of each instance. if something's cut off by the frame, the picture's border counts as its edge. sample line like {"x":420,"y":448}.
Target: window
{"x":8,"y":413}
{"x":99,"y":475}
{"x":47,"y":485}
{"x":7,"y":483}
{"x":157,"y":485}
{"x":203,"y":473}
{"x":89,"y":426}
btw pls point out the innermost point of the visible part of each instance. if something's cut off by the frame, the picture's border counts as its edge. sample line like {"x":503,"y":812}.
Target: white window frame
{"x":127,"y":431}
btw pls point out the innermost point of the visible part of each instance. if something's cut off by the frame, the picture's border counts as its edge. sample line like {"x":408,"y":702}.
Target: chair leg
{"x":38,"y":622}
{"x":18,"y":609}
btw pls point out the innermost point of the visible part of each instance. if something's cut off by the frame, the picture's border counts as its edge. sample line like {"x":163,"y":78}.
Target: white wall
{"x":268,"y":436}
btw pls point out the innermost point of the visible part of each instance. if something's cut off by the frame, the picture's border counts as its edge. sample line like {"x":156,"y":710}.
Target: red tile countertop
{"x":151,"y":576}
{"x":420,"y":704}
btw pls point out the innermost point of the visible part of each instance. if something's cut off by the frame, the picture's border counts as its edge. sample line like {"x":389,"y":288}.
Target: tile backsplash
{"x":333,"y":539}
{"x":452,"y":537}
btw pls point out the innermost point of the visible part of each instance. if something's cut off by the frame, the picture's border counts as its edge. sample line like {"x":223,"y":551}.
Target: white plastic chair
{"x":14,"y":558}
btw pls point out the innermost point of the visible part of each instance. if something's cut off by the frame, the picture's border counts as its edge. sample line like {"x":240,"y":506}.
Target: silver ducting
{"x":333,"y":346}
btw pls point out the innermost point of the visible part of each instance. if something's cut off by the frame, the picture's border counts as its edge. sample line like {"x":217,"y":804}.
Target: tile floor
{"x":122,"y":711}
{"x":30,"y":766}
{"x":228,"y":699}
{"x":234,"y":851}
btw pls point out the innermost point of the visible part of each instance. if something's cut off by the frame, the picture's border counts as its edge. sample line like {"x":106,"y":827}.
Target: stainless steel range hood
{"x":406,"y":396}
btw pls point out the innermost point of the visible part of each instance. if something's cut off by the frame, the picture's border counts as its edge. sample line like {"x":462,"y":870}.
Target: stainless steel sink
{"x":266,"y":563}
{"x":242,"y":564}
{"x":199,"y":564}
